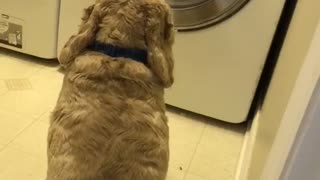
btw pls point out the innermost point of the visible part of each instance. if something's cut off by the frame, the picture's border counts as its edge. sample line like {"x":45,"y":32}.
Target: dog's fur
{"x":109,"y":122}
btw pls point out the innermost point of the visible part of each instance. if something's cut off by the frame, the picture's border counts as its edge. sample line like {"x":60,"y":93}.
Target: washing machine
{"x":220,"y":51}
{"x":30,"y":26}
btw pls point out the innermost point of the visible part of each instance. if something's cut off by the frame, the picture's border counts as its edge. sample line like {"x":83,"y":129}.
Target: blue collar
{"x":138,"y":55}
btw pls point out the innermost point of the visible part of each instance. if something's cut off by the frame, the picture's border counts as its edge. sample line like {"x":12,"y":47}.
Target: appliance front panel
{"x":32,"y":26}
{"x":218,"y":68}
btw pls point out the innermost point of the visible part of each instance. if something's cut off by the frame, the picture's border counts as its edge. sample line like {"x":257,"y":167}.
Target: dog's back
{"x":106,"y":126}
{"x":109,"y":122}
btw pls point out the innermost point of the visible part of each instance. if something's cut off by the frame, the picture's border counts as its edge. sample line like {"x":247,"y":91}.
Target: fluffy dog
{"x":109,"y":122}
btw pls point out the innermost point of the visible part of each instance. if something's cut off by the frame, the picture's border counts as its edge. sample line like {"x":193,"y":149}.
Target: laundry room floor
{"x":200,"y":148}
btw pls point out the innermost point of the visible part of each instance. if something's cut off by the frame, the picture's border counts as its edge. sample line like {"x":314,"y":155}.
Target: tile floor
{"x":201,"y":148}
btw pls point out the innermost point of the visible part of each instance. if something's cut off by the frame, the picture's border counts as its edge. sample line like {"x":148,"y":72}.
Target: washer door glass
{"x":194,"y":14}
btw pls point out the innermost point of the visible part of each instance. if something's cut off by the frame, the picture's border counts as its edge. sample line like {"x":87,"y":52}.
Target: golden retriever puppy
{"x":109,"y":122}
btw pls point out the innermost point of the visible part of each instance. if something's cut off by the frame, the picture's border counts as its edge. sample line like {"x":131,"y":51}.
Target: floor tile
{"x":45,"y":118}
{"x":191,"y":176}
{"x":46,"y":79}
{"x":40,"y":98}
{"x":11,"y":125}
{"x":48,"y":83}
{"x":174,"y":174}
{"x":3,"y":145}
{"x":3,"y":87}
{"x":14,"y":67}
{"x":33,"y":140}
{"x":30,"y":103}
{"x":18,"y":165}
{"x":218,"y":151}
{"x":185,"y":134}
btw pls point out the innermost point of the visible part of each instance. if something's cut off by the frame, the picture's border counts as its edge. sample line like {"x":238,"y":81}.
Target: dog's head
{"x":150,"y":19}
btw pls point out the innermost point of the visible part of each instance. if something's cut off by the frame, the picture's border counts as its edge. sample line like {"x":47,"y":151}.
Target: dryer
{"x":30,"y":27}
{"x":220,"y":51}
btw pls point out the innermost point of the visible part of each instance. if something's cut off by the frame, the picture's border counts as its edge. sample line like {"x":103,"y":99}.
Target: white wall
{"x":304,"y":160}
{"x":278,"y":123}
{"x":295,"y":110}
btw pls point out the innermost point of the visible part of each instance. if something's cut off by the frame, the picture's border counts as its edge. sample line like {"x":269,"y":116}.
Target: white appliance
{"x":218,"y":65}
{"x":30,"y":26}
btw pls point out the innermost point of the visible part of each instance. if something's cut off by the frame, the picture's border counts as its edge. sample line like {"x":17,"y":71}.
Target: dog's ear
{"x":86,"y":35}
{"x":86,"y":14}
{"x":160,"y":38}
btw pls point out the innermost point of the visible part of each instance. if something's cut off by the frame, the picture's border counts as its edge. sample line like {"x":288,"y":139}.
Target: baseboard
{"x":247,"y":148}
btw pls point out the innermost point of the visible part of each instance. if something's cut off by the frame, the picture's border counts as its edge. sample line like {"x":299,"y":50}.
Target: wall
{"x":290,"y":62}
{"x":304,"y":161}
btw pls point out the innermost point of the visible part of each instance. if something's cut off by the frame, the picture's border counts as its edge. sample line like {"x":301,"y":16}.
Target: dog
{"x":109,"y":122}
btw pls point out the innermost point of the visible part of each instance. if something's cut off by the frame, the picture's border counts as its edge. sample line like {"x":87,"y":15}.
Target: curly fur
{"x":109,"y":122}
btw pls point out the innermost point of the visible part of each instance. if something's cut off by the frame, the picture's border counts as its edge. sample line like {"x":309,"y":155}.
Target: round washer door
{"x":194,"y":14}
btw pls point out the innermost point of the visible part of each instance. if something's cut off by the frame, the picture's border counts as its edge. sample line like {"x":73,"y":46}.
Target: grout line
{"x":35,"y":120}
{"x":17,"y":135}
{"x":195,"y":151}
